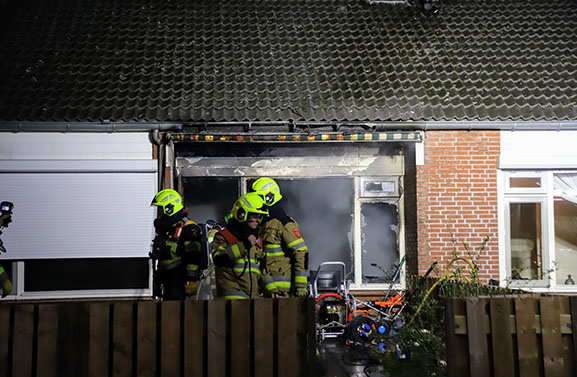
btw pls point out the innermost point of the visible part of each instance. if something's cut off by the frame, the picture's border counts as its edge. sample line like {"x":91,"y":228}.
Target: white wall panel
{"x":55,"y":146}
{"x":78,"y":215}
{"x":538,"y":149}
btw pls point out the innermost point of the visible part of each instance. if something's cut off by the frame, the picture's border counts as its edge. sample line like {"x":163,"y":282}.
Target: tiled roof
{"x":309,"y":60}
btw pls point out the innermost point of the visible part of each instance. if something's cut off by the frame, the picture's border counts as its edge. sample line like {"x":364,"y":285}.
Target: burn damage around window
{"x":346,"y":198}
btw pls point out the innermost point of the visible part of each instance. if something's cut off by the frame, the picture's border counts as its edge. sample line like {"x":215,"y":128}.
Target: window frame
{"x":545,"y":258}
{"x":18,"y":292}
{"x":544,"y":195}
{"x":526,"y":190}
{"x":391,"y":168}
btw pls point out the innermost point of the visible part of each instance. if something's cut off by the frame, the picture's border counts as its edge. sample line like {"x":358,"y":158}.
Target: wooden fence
{"x":243,"y":338}
{"x":511,"y":336}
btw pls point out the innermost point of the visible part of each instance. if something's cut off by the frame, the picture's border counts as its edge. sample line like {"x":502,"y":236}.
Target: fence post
{"x":457,"y":347}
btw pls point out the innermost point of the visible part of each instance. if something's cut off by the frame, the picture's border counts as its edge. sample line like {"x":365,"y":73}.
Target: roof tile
{"x":311,"y":60}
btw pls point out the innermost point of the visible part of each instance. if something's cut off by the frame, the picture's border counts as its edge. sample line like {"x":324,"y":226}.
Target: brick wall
{"x":457,"y":194}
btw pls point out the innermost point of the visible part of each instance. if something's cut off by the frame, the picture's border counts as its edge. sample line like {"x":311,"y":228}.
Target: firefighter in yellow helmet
{"x":285,"y":250}
{"x":5,"y":219}
{"x":237,"y":252}
{"x":176,"y":249}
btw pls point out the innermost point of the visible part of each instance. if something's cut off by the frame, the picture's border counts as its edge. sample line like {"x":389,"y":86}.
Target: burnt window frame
{"x":183,"y":170}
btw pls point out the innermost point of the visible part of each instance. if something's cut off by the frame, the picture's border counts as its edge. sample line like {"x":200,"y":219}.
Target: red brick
{"x":456,"y":193}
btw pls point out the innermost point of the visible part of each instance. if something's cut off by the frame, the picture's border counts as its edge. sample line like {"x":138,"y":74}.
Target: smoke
{"x":209,"y":198}
{"x":323,"y":208}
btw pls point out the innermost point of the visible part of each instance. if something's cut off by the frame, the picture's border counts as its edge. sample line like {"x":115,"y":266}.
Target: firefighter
{"x":5,"y":219}
{"x":176,"y":248}
{"x":285,"y":250}
{"x":237,"y":252}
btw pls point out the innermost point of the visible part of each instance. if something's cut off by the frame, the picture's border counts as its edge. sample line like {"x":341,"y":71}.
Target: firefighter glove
{"x":302,"y":292}
{"x":190,"y":288}
{"x":6,"y":288}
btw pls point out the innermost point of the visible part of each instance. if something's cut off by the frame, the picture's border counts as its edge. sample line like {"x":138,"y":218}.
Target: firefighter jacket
{"x":5,"y":282}
{"x":182,"y":248}
{"x":238,"y":272}
{"x":286,"y":254}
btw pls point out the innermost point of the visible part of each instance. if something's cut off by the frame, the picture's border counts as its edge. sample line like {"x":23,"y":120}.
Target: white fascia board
{"x":538,"y":149}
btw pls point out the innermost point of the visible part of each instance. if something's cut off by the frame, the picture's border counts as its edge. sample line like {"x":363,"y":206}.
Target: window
{"x":541,"y":229}
{"x":93,"y":212}
{"x":86,"y":274}
{"x":379,"y":233}
{"x":349,"y":207}
{"x":565,"y":222}
{"x":526,"y":241}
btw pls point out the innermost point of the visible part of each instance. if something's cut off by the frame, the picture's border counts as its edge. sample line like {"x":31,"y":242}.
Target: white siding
{"x":84,"y":146}
{"x":538,"y":149}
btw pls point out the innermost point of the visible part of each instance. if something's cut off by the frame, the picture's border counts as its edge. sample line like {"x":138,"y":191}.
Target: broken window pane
{"x":209,"y":198}
{"x":323,"y":208}
{"x":526,"y":241}
{"x":380,"y":249}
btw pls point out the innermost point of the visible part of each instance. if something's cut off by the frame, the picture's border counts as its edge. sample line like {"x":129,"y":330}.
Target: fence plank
{"x":146,"y":337}
{"x":553,"y":361}
{"x":311,"y":335}
{"x":217,"y":348}
{"x":566,"y":338}
{"x":573,"y":308}
{"x":457,"y":345}
{"x":302,"y":336}
{"x":47,"y":358}
{"x":98,"y":355}
{"x":23,"y":340}
{"x":478,"y":346}
{"x":122,"y":340}
{"x":73,"y":339}
{"x":263,"y":338}
{"x":4,"y":339}
{"x":501,"y":338}
{"x":170,"y":339}
{"x":287,"y":337}
{"x":195,"y":362}
{"x":527,"y":340}
{"x":240,"y":358}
